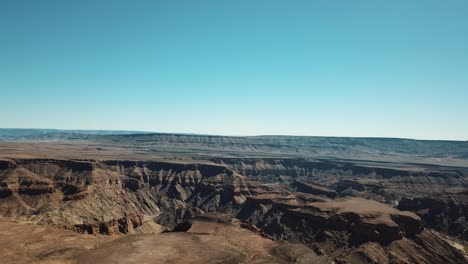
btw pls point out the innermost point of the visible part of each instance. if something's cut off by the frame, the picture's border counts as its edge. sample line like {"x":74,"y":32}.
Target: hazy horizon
{"x":308,"y":68}
{"x":220,"y":135}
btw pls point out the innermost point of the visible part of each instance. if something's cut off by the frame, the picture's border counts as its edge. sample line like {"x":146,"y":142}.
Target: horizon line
{"x":139,"y":132}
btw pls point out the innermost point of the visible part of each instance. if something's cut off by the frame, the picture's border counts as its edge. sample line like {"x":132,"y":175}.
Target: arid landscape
{"x":233,"y":132}
{"x":89,"y":197}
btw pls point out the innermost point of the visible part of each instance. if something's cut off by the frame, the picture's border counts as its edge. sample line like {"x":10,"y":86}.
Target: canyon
{"x":116,"y":204}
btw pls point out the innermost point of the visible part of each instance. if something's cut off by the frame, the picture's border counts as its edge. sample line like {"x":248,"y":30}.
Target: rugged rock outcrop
{"x":395,"y":178}
{"x":111,"y":196}
{"x":123,"y":225}
{"x":313,"y":188}
{"x":351,"y":230}
{"x":447,"y":213}
{"x":118,"y":196}
{"x":387,"y":182}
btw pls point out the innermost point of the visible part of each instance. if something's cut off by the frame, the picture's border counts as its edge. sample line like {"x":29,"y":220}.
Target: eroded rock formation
{"x":113,"y":197}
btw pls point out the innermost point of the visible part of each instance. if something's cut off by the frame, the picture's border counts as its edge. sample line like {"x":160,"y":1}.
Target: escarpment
{"x":424,"y":189}
{"x":96,"y":196}
{"x":121,"y":196}
{"x":447,"y":212}
{"x":421,"y":179}
{"x":349,"y":230}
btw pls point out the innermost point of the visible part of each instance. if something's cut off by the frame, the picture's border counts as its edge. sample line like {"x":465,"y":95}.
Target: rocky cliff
{"x":112,"y":196}
{"x":436,"y":193}
{"x":118,"y":196}
{"x":447,"y":212}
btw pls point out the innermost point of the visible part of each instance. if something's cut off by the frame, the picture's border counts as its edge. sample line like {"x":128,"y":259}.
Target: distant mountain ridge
{"x":37,"y":134}
{"x":251,"y":145}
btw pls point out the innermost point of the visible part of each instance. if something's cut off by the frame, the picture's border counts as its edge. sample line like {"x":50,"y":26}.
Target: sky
{"x":361,"y":68}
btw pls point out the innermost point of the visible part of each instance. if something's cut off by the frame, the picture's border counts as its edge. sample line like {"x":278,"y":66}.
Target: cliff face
{"x":401,"y":178}
{"x":352,"y":230}
{"x":447,"y":213}
{"x":111,"y":197}
{"x":436,"y":193}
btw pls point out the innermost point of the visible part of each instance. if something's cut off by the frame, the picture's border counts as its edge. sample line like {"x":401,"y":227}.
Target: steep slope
{"x":447,"y":212}
{"x":121,"y":196}
{"x":111,"y":196}
{"x":350,"y":230}
{"x":395,"y":176}
{"x":436,"y":193}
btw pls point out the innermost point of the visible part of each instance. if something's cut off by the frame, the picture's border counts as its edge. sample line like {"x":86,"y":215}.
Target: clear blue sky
{"x":330,"y":68}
